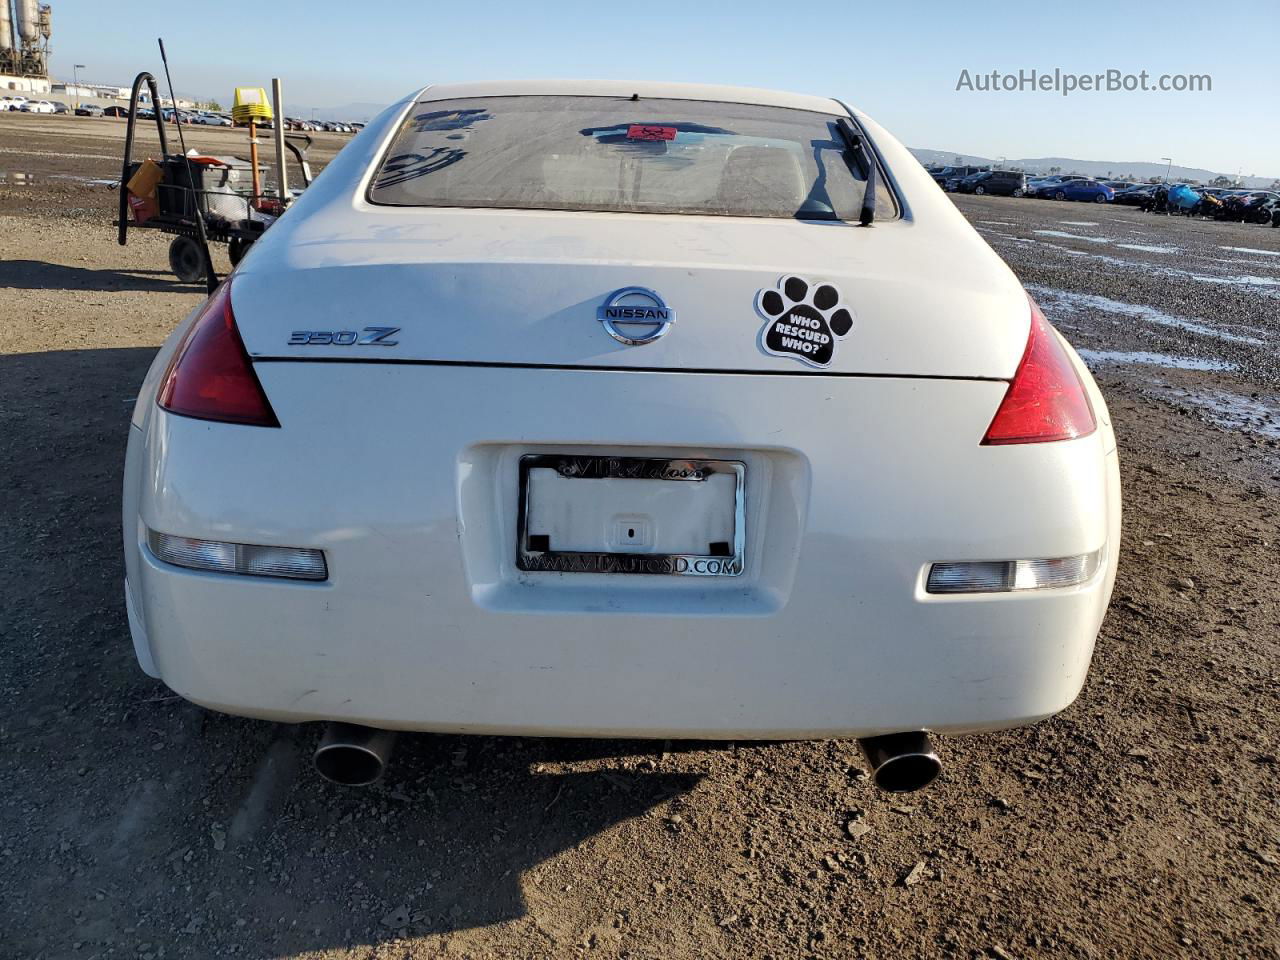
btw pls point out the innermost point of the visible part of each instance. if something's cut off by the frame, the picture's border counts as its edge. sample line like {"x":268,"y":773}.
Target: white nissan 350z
{"x":627,"y":410}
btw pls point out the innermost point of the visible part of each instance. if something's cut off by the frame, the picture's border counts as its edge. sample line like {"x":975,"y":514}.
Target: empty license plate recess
{"x":598,"y":514}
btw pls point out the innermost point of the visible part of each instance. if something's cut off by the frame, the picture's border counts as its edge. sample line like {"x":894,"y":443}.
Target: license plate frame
{"x":729,"y":562}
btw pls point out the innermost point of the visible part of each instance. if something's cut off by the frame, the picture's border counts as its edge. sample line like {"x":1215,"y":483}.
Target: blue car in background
{"x":1090,"y":190}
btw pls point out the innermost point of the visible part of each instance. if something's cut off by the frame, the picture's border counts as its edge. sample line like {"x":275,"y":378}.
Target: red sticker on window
{"x":640,"y":131}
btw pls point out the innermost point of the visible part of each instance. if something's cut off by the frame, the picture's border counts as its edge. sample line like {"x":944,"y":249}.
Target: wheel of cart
{"x":186,"y":259}
{"x":237,"y":248}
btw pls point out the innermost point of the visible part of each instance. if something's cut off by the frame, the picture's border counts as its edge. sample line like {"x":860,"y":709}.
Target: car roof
{"x":626,"y":89}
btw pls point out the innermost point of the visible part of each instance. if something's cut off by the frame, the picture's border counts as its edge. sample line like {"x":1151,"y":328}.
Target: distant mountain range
{"x":1107,"y":169}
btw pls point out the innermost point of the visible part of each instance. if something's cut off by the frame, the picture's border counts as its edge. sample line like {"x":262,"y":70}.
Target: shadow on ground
{"x":40,"y":275}
{"x":149,"y":821}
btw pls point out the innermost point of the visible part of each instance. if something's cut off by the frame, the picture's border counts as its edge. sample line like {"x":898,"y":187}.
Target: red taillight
{"x":210,"y":376}
{"x":1045,"y":400}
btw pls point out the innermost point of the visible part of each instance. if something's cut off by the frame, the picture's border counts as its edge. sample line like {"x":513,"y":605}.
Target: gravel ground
{"x":1141,"y":822}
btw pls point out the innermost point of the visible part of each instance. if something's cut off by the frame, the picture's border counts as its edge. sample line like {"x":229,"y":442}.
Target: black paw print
{"x":803,"y":320}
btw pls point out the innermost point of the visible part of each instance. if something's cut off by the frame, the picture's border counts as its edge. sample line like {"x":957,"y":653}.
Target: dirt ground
{"x":1141,"y":822}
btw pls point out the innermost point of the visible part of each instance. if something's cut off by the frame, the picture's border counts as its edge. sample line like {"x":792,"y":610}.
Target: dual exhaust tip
{"x":356,"y":756}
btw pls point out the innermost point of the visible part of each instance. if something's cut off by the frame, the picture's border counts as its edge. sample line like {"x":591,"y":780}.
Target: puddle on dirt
{"x":1244,"y":280}
{"x":1069,"y":302}
{"x":24,"y":179}
{"x":1265,"y":253}
{"x":1236,"y":261}
{"x":1149,"y":248}
{"x":1232,"y":411}
{"x":1154,"y":270}
{"x":1073,"y":236}
{"x":1223,"y":408}
{"x":1126,"y":357}
{"x":987,"y":231}
{"x":1264,"y":285}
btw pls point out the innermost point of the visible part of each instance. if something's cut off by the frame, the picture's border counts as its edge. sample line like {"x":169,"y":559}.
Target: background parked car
{"x":1256,"y":206}
{"x":88,"y":110}
{"x":212,"y":120}
{"x":1008,"y":183}
{"x":1089,"y":190}
{"x":122,"y":112}
{"x":1044,"y":186}
{"x":38,"y":106}
{"x":12,"y":102}
{"x":1134,"y":195}
{"x":60,"y":107}
{"x":943,"y":174}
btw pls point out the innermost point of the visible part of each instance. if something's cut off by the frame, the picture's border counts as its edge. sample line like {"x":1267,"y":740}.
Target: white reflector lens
{"x":990,"y":577}
{"x":1004,"y":576}
{"x":1062,"y":572}
{"x":197,"y":554}
{"x":294,"y":563}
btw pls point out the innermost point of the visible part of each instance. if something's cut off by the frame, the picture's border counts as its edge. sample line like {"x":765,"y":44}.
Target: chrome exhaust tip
{"x":352,"y":755}
{"x":901,"y":762}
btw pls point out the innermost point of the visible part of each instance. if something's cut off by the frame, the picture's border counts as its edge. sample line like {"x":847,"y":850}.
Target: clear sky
{"x":899,"y":61}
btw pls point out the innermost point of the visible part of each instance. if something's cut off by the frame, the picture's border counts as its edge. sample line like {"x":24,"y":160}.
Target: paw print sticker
{"x":803,"y":320}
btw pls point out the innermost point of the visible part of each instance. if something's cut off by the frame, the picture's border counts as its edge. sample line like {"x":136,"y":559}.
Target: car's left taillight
{"x":211,"y":376}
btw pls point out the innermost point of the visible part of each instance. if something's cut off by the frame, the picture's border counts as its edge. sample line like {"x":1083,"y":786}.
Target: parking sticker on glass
{"x":641,"y":131}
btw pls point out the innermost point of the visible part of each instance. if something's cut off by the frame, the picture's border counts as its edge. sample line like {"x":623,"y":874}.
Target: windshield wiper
{"x":858,"y":146}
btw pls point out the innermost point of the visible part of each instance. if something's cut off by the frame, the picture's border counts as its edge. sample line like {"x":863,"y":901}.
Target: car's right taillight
{"x":1046,"y":399}
{"x":211,"y":376}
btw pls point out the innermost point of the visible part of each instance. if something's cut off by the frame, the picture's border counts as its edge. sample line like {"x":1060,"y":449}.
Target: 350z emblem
{"x":368,"y":337}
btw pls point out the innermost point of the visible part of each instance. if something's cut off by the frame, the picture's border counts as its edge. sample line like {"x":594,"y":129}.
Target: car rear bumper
{"x":426,"y":624}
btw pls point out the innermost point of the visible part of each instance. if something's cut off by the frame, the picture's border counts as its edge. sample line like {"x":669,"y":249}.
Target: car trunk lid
{"x":516,"y":287}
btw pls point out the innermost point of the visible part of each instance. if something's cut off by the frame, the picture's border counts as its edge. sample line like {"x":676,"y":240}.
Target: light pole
{"x":75,"y":73}
{"x":1168,"y":166}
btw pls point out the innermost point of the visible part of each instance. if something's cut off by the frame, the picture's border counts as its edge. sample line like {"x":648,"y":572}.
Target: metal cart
{"x":218,"y":190}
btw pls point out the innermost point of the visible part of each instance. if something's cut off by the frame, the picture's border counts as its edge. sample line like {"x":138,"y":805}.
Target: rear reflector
{"x":1006,"y":576}
{"x":293,"y":563}
{"x":1045,"y":400}
{"x":210,"y":376}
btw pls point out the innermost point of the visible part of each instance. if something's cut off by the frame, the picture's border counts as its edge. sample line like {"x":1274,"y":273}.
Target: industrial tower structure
{"x":25,"y":28}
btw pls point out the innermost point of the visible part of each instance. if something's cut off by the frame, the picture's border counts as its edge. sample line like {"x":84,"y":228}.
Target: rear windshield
{"x":624,"y":156}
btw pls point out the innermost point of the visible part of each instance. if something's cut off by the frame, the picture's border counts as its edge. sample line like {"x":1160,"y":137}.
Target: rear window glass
{"x":624,"y":156}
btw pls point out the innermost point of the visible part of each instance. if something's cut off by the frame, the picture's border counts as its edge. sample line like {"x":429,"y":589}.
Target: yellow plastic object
{"x":251,"y":103}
